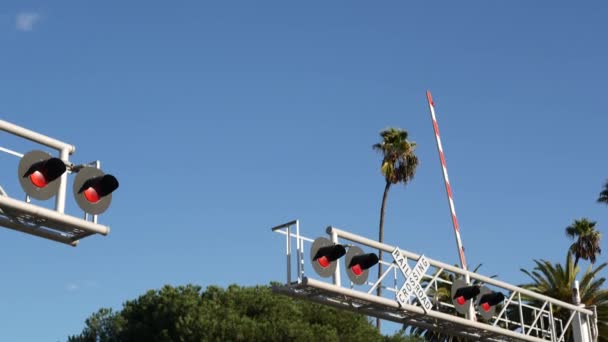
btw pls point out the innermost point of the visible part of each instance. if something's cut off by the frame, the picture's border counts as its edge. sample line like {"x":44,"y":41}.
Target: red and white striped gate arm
{"x":448,"y":189}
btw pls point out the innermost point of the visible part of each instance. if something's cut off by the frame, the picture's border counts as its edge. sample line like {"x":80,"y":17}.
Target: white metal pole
{"x":580,"y":325}
{"x":36,"y":137}
{"x":299,"y":252}
{"x":63,"y":183}
{"x":334,"y":239}
{"x":289,"y":254}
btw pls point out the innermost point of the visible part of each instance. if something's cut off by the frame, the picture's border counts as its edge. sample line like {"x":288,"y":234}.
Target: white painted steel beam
{"x":385,"y":302}
{"x":36,"y":137}
{"x":43,"y":233}
{"x":52,"y":217}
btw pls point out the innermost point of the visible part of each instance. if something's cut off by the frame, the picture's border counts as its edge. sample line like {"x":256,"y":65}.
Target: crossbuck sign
{"x":412,"y":280}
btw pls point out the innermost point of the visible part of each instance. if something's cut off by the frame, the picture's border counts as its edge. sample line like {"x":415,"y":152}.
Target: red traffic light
{"x":324,"y":254}
{"x":488,"y":301}
{"x":93,"y":190}
{"x":465,"y":293}
{"x":360,"y":263}
{"x":357,"y":264}
{"x":39,"y":174}
{"x":46,"y":171}
{"x":462,"y":294}
{"x":98,"y":187}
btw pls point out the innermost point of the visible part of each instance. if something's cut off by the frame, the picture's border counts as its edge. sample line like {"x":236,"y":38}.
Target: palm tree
{"x":587,"y":244}
{"x":604,"y":194}
{"x":556,"y":281}
{"x":398,"y":166}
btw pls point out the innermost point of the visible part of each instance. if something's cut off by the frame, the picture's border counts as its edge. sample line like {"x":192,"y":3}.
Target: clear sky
{"x":222,"y":119}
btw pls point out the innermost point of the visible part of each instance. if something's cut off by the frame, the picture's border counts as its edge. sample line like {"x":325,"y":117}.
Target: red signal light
{"x":96,"y":188}
{"x":357,"y":270}
{"x":93,"y":190}
{"x":324,"y":261}
{"x":357,"y":264}
{"x":91,"y":195}
{"x":46,"y":171}
{"x":38,"y":179}
{"x":324,"y":254}
{"x":484,"y":299}
{"x":40,"y":174}
{"x":462,"y":294}
{"x":488,"y":301}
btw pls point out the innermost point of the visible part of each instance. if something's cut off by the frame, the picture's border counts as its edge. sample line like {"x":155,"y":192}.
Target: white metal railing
{"x":35,"y":220}
{"x":518,"y":315}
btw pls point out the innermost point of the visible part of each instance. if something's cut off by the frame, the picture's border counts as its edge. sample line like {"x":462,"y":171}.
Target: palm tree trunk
{"x":381,"y":240}
{"x":576,"y":260}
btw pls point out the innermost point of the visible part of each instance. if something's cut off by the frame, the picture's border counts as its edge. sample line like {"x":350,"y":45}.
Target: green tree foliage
{"x":604,"y":194}
{"x":398,"y":166}
{"x":556,"y":281}
{"x":185,"y":313}
{"x":587,"y":244}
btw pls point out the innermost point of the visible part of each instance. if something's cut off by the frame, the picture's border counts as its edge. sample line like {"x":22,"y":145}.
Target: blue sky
{"x":222,"y":119}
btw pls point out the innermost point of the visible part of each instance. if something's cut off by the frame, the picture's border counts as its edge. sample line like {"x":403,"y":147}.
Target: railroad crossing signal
{"x":358,"y":264}
{"x":487,"y":302}
{"x":497,"y":325}
{"x":43,"y":176}
{"x":324,"y":254}
{"x":93,"y":190}
{"x":462,"y":295}
{"x":39,"y":174}
{"x":485,"y":299}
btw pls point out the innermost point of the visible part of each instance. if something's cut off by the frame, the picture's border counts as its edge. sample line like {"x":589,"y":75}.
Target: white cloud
{"x":26,"y":21}
{"x":81,"y":285}
{"x":72,"y":287}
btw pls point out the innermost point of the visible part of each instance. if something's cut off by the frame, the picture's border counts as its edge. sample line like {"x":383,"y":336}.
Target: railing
{"x":523,"y":315}
{"x":28,"y":218}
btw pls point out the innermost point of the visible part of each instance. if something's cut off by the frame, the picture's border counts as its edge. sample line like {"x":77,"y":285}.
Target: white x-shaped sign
{"x":412,"y":280}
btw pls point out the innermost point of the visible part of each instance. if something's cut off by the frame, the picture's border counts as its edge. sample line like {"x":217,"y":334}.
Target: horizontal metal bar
{"x":47,"y":234}
{"x":438,"y":264}
{"x":370,"y":311}
{"x":284,"y":225}
{"x":51,"y":215}
{"x":294,"y":235}
{"x":14,"y":153}
{"x":36,"y":137}
{"x":392,"y":304}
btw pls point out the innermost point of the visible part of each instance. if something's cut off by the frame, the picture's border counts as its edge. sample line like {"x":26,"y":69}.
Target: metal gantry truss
{"x":523,"y":316}
{"x":39,"y":221}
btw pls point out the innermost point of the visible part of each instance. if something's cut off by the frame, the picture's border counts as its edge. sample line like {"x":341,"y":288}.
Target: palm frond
{"x":603,"y":198}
